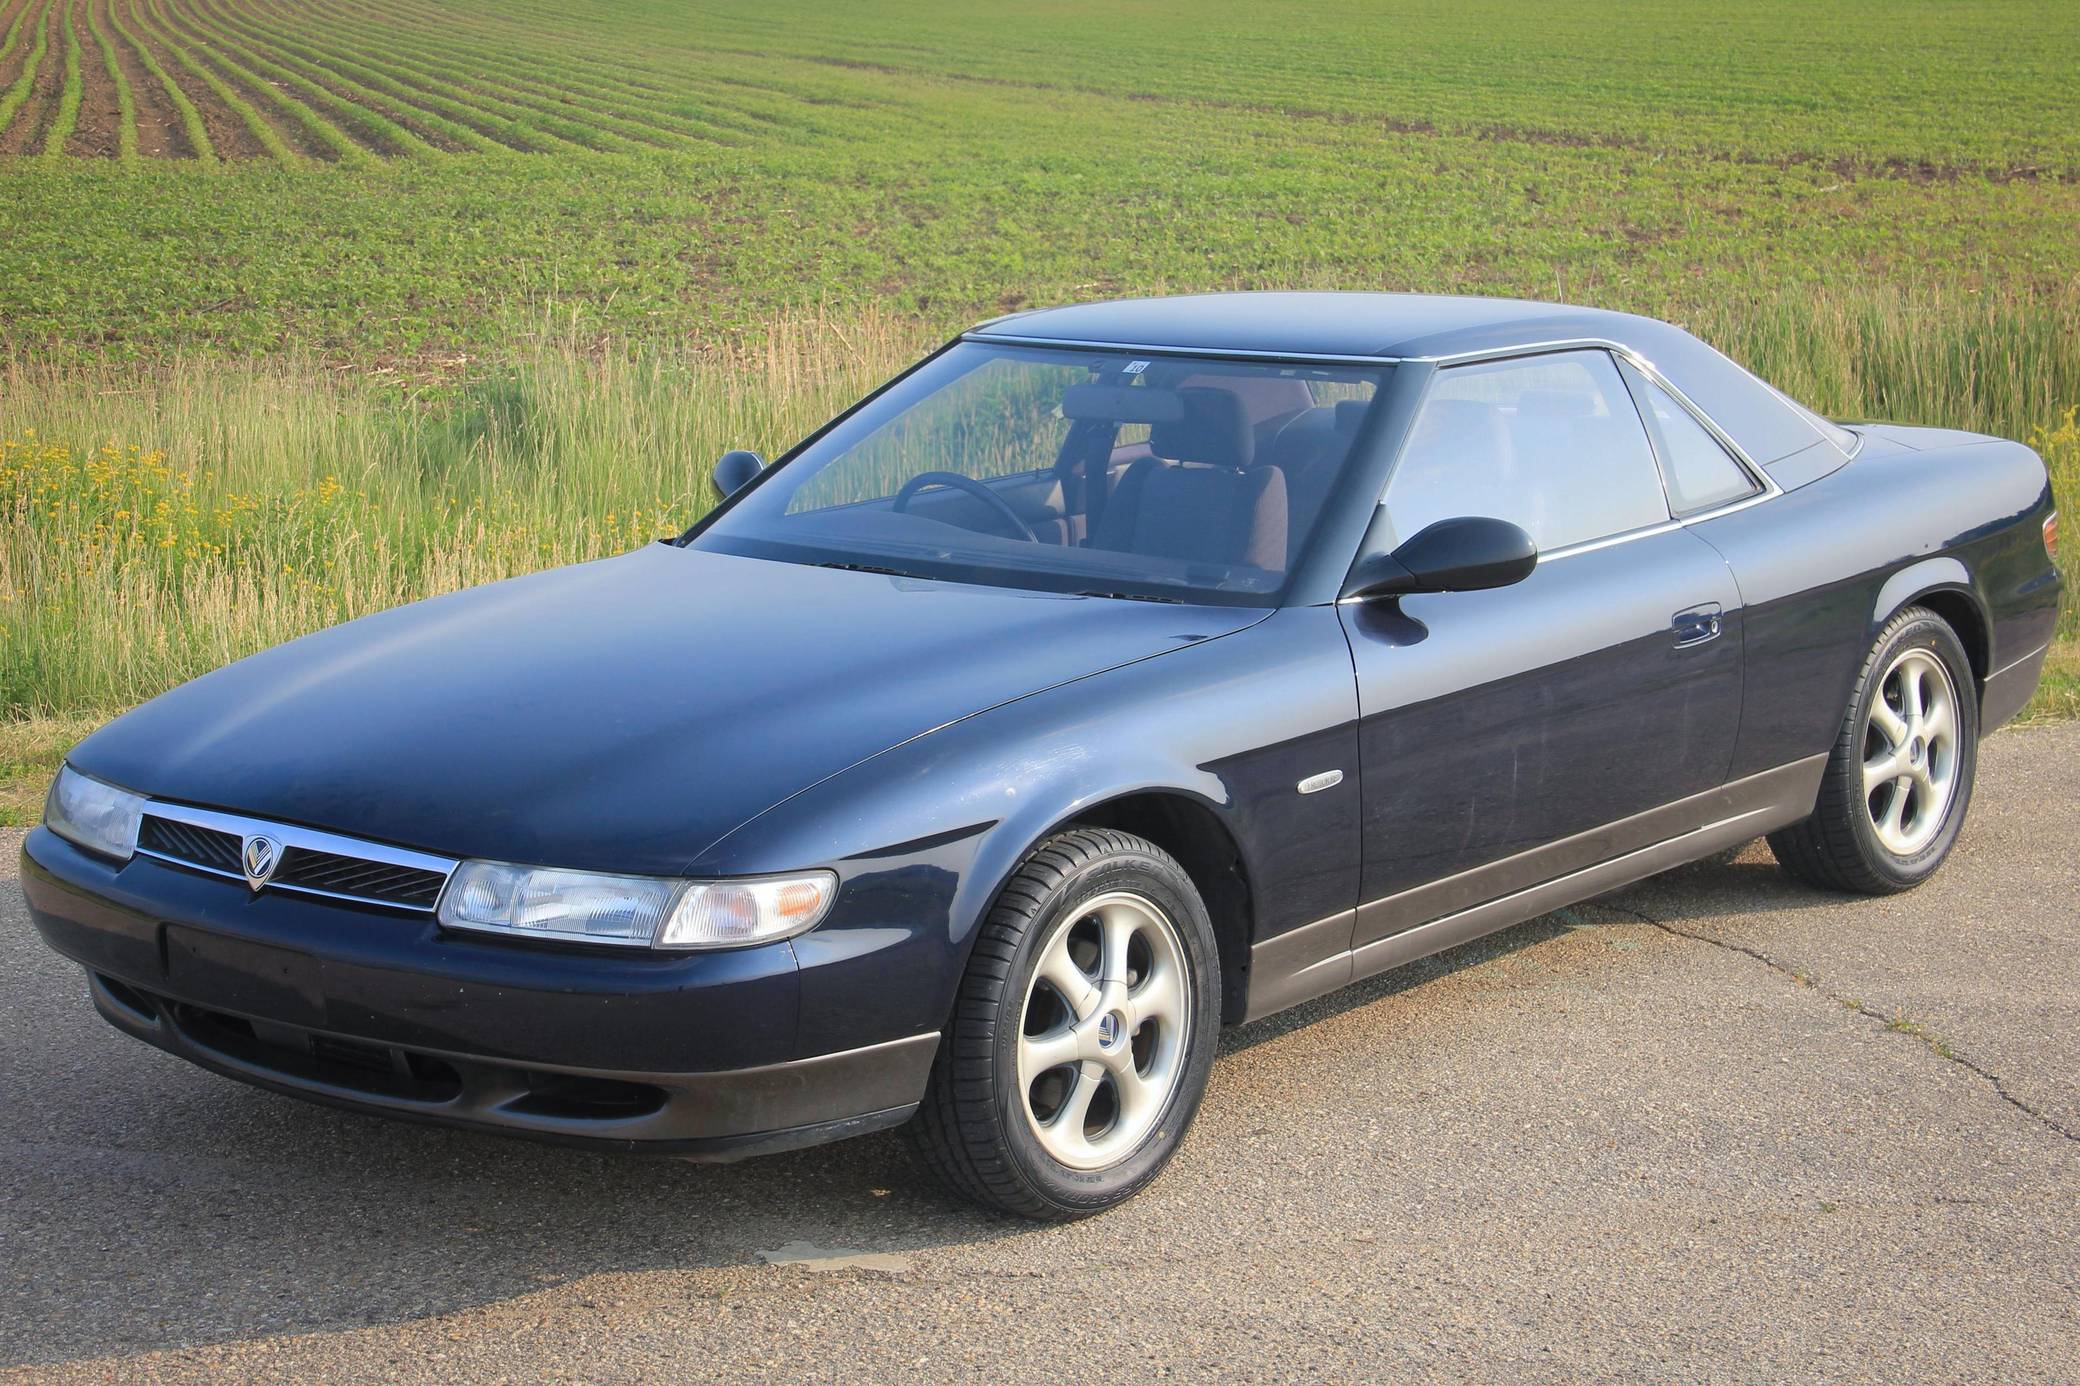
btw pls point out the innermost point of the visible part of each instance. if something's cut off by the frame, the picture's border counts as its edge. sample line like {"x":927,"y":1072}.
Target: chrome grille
{"x":338,"y":875}
{"x":164,"y":837}
{"x":311,"y":862}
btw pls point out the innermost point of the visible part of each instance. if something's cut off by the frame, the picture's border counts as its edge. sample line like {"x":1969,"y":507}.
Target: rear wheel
{"x":1083,"y":1033}
{"x":1900,"y":776}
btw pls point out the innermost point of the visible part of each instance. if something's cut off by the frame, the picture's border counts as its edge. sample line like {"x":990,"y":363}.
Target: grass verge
{"x":165,"y":520}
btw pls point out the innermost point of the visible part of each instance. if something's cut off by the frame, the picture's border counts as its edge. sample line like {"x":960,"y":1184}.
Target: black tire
{"x":973,"y":1130}
{"x":1839,"y":847}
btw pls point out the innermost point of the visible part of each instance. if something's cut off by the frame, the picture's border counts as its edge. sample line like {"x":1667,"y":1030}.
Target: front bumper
{"x":382,"y":1012}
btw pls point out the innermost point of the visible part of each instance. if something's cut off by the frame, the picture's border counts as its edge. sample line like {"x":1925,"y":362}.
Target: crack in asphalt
{"x":1932,"y":1042}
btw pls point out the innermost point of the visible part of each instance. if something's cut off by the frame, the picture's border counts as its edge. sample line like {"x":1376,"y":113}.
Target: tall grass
{"x":161,"y":523}
{"x":165,"y":520}
{"x":2002,"y":361}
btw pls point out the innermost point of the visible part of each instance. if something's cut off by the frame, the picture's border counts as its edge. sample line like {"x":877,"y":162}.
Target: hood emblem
{"x":260,"y":857}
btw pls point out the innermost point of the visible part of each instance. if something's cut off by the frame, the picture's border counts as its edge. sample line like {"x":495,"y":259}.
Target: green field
{"x":696,"y":166}
{"x":308,"y":308}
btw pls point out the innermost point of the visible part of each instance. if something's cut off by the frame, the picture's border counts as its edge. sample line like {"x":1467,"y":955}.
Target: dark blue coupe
{"x":1119,"y":672}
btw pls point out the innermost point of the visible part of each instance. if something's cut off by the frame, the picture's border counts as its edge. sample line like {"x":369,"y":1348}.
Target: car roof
{"x":1329,"y":324}
{"x":1765,"y":426}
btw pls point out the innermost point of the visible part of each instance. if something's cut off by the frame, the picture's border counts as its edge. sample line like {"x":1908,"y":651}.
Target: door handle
{"x":1694,"y":625}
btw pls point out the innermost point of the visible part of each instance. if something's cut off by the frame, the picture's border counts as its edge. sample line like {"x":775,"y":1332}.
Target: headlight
{"x":640,"y":911}
{"x":93,"y":815}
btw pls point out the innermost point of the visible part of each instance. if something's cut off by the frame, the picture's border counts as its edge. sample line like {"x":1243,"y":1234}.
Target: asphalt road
{"x":1717,"y":1127}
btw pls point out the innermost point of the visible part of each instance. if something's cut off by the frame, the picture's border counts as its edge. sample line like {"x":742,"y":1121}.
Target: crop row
{"x":342,"y":81}
{"x":1771,"y":82}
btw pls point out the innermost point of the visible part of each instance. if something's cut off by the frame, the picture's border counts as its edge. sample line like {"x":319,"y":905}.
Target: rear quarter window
{"x":1765,"y":425}
{"x":1700,"y":474}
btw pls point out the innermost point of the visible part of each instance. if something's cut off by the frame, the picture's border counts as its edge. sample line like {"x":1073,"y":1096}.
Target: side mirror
{"x":1467,"y":554}
{"x":734,"y":470}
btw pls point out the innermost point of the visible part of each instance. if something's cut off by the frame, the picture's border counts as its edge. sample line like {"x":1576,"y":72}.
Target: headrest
{"x":1264,"y":397}
{"x":1214,"y":429}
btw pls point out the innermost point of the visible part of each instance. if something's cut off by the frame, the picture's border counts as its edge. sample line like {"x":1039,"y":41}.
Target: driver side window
{"x":1551,"y":443}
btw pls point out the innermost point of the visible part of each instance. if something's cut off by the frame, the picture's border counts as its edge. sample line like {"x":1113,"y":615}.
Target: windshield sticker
{"x":1135,"y":368}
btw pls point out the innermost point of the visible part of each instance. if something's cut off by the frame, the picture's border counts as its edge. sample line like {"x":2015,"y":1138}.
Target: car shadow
{"x":1742,"y":881}
{"x":153,"y":1205}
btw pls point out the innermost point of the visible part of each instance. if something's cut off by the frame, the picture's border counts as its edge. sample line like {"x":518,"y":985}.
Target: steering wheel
{"x":924,"y":480}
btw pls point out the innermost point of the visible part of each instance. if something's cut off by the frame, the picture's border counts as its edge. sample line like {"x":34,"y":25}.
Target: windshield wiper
{"x":1136,"y":597}
{"x":867,"y":568}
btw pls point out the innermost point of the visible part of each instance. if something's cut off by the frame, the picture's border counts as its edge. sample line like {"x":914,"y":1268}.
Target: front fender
{"x":925,"y":835}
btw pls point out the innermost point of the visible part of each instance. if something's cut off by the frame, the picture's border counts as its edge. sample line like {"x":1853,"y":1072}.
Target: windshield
{"x":1107,"y":472}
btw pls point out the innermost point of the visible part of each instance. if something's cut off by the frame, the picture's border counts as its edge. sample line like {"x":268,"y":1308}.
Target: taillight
{"x":2051,"y":534}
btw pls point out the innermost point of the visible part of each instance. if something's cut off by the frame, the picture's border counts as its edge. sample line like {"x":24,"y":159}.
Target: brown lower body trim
{"x":1320,"y":957}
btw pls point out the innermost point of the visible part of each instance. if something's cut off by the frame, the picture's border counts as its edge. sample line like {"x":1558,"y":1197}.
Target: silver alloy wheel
{"x":1103,"y":1030}
{"x":1910,"y":752}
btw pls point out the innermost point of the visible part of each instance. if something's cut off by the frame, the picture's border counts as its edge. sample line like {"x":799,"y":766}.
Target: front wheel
{"x":1900,"y":776}
{"x":1082,"y":1035}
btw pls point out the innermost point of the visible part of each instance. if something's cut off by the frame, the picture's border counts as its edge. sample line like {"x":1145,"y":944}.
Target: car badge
{"x":1108,"y":1030}
{"x":260,"y":857}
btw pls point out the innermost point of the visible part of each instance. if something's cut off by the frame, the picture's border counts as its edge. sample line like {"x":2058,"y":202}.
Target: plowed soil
{"x":98,"y":134}
{"x":24,"y":134}
{"x":226,"y":129}
{"x":160,"y":133}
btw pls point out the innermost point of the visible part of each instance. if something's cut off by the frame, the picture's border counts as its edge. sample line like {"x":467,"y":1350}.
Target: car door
{"x":1510,"y":736}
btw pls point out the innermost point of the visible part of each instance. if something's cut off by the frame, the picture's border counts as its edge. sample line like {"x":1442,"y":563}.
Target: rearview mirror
{"x":1467,"y":554}
{"x":734,"y":470}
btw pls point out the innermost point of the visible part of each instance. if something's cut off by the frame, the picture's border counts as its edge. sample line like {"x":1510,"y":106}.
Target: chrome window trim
{"x":1591,"y":545}
{"x":1611,"y":540}
{"x":1649,"y":531}
{"x":1195,"y":352}
{"x":1653,"y":373}
{"x":289,"y":835}
{"x":1758,"y":477}
{"x":1761,"y":477}
{"x":1756,"y":471}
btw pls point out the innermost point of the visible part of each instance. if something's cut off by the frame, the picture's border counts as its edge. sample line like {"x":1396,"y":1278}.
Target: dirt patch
{"x":160,"y":133}
{"x":24,"y":134}
{"x":99,"y":132}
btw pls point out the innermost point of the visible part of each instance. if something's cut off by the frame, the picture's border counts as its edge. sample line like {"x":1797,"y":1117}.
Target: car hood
{"x":616,"y":715}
